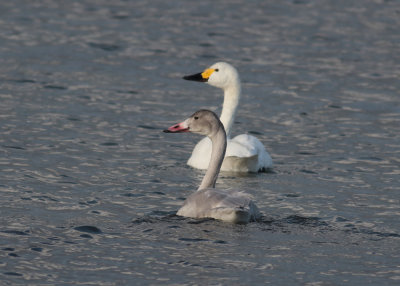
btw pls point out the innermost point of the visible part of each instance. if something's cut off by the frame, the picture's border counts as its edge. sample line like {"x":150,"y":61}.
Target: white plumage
{"x":245,"y":153}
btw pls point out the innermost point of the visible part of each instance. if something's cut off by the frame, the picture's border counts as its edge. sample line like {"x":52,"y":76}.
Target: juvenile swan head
{"x":203,"y":122}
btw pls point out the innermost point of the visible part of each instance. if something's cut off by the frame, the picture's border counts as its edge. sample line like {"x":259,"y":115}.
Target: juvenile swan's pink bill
{"x":180,"y":127}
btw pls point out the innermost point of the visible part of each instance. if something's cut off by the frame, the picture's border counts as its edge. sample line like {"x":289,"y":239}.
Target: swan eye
{"x":196,"y":117}
{"x":216,"y":70}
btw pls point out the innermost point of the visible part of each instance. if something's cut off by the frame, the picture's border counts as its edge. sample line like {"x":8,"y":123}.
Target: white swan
{"x":244,"y":153}
{"x":227,"y":205}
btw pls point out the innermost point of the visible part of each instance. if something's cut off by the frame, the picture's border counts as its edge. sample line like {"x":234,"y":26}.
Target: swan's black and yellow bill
{"x":202,"y":77}
{"x":178,"y":128}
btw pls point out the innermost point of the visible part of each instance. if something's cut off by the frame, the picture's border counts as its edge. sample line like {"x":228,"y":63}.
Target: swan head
{"x":203,"y":122}
{"x":221,"y":75}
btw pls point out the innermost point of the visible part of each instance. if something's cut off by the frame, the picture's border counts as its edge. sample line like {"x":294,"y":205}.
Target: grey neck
{"x":218,"y":140}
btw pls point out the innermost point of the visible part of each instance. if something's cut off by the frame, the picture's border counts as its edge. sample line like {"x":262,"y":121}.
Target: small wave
{"x":16,"y":232}
{"x":52,"y":86}
{"x":88,"y":229}
{"x":105,"y":47}
{"x":12,"y":273}
{"x":13,"y":147}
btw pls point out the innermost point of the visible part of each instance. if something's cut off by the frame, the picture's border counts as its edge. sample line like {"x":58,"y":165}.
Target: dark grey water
{"x":89,"y":184}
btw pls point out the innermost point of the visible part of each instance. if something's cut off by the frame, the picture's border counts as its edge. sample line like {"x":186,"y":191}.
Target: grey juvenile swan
{"x":209,"y":202}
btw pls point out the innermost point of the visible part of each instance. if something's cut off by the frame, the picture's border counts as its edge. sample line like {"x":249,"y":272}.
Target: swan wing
{"x":241,"y":147}
{"x":249,"y":144}
{"x":244,"y":153}
{"x":228,"y":205}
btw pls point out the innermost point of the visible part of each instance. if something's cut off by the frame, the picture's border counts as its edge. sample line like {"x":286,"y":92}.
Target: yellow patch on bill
{"x":207,"y":73}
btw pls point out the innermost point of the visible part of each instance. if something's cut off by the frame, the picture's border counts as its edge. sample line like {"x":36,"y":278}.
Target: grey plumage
{"x":227,"y":205}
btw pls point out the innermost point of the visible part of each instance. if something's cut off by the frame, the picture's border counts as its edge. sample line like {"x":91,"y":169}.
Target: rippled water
{"x":90,"y":185}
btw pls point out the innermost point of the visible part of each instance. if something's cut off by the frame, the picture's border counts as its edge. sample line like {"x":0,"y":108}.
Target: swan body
{"x":208,"y":202}
{"x":227,"y":205}
{"x":245,"y":153}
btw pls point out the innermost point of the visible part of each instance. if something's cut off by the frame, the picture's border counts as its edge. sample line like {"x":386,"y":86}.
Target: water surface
{"x":90,"y":185}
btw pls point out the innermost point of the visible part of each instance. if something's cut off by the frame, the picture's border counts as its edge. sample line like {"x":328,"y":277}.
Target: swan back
{"x":227,"y":205}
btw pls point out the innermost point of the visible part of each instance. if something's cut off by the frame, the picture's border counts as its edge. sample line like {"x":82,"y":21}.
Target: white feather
{"x":244,"y":153}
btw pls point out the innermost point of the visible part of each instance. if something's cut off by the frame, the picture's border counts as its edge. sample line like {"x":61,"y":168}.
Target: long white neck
{"x":231,"y":101}
{"x":218,"y":141}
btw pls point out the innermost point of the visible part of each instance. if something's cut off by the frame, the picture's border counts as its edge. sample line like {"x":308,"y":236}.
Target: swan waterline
{"x":208,"y":202}
{"x":244,"y":153}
